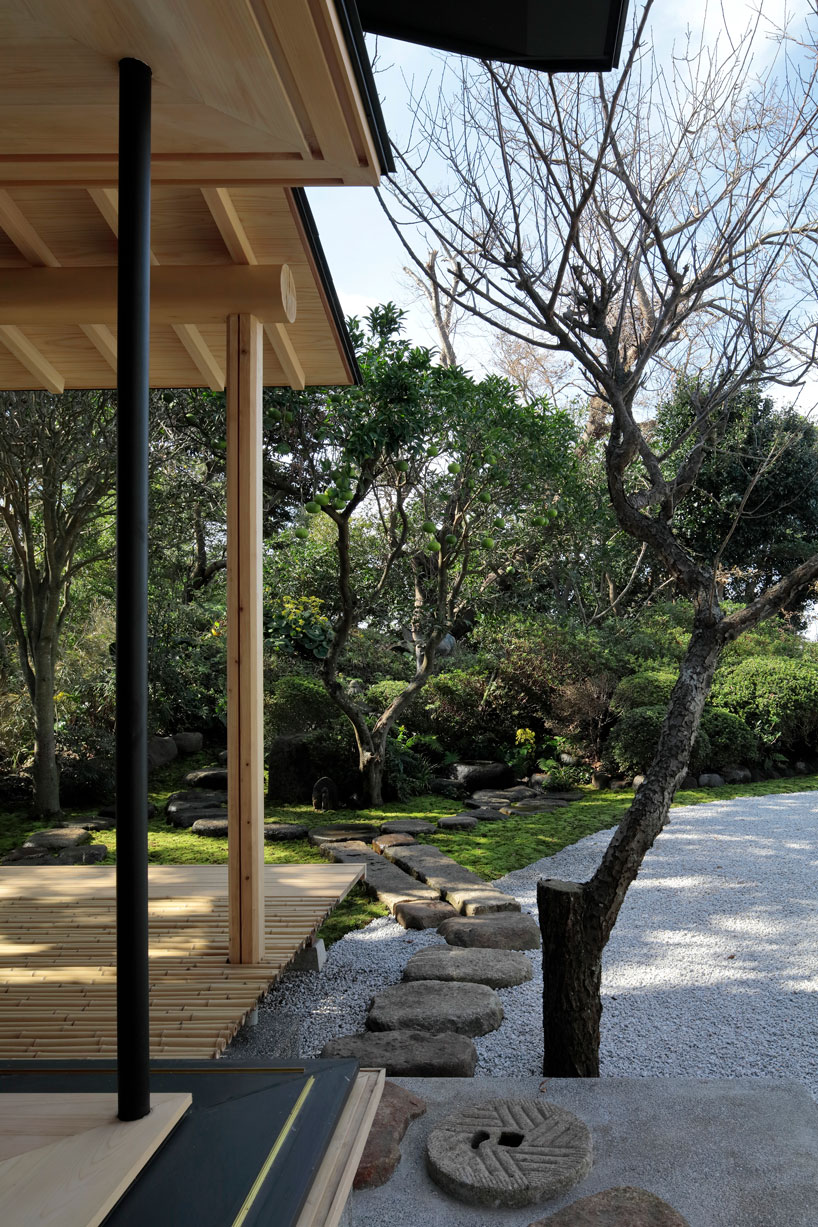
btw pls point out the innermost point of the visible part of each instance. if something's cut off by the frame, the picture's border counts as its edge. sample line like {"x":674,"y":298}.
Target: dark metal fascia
{"x":354,"y":37}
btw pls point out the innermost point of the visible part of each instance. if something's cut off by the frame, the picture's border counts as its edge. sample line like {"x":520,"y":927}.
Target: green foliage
{"x":777,"y":697}
{"x":649,"y":689}
{"x":187,"y":666}
{"x":380,"y":695}
{"x":408,"y":773}
{"x":731,"y":739}
{"x":634,"y":739}
{"x":296,"y":626}
{"x":299,"y":705}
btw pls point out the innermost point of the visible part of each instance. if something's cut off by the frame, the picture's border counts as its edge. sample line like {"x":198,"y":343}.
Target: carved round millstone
{"x":509,"y":1152}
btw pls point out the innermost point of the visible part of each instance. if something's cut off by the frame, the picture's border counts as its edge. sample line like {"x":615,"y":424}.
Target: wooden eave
{"x":250,"y":99}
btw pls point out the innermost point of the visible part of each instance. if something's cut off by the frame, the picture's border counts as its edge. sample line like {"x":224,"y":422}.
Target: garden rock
{"x":509,"y":1152}
{"x":466,"y":891}
{"x":502,"y":932}
{"x":482,"y":774}
{"x":28,"y":856}
{"x":690,"y":781}
{"x":422,"y":915}
{"x":188,"y":743}
{"x":408,"y":826}
{"x":711,"y":779}
{"x":733,"y":774}
{"x":622,"y":1207}
{"x":342,"y":832}
{"x":56,"y":838}
{"x":494,"y":968}
{"x":189,"y":815}
{"x":600,"y":780}
{"x":448,"y":788}
{"x":486,"y":813}
{"x":161,"y":751}
{"x":407,"y":1054}
{"x":389,"y":883}
{"x":492,"y":797}
{"x":324,"y":795}
{"x":210,"y":826}
{"x":193,"y":798}
{"x":98,"y":824}
{"x":396,"y":1111}
{"x":221,"y":758}
{"x":436,"y":1006}
{"x":391,"y":841}
{"x":456,"y":822}
{"x":275,"y":831}
{"x":620,"y":785}
{"x":92,"y":854}
{"x":208,"y":777}
{"x":546,"y":805}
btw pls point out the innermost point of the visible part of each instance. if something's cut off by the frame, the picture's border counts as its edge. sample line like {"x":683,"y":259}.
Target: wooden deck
{"x":58,"y":967}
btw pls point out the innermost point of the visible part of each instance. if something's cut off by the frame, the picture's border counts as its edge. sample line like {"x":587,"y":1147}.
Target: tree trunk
{"x":372,"y":772}
{"x":576,"y":920}
{"x":572,"y":976}
{"x":46,"y":772}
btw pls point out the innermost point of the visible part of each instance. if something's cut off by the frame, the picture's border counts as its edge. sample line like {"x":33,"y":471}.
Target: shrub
{"x":299,"y":705}
{"x":731,"y":739}
{"x":652,"y":688}
{"x":777,"y":697}
{"x":381,"y":694}
{"x":631,"y":746}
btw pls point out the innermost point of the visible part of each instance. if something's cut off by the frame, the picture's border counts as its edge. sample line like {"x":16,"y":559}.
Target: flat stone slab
{"x":189,"y":815}
{"x":395,"y":1112}
{"x":544,"y":806}
{"x":192,"y":798}
{"x":465,"y":890}
{"x":275,"y":831}
{"x":28,"y":856}
{"x":55,"y":839}
{"x":496,"y":968}
{"x":422,"y":915}
{"x":622,"y":1207}
{"x":436,"y":1006}
{"x":456,"y":822}
{"x":502,"y":932}
{"x":208,"y":777}
{"x":486,"y":813}
{"x":509,"y":1152}
{"x":210,"y":826}
{"x":382,"y":878}
{"x":391,"y":841}
{"x":408,"y":826}
{"x":338,"y":833}
{"x":91,"y":854}
{"x":407,"y":1054}
{"x":98,"y":824}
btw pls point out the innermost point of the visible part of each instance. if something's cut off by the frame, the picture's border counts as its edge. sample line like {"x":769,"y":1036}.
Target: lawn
{"x":490,"y":850}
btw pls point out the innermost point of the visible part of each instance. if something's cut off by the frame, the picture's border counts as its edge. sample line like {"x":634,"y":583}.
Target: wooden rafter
{"x":29,"y":356}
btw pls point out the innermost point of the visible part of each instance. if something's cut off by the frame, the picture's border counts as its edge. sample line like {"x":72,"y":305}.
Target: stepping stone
{"x":496,"y":968}
{"x":545,"y":806}
{"x":210,"y":826}
{"x":274,"y":831}
{"x":98,"y":824}
{"x":92,"y":854}
{"x":465,"y":890}
{"x":391,"y":841}
{"x":208,"y":777}
{"x":396,"y":1111}
{"x":382,"y":878}
{"x":56,"y":838}
{"x":189,"y":816}
{"x":192,"y":798}
{"x":487,"y":796}
{"x":188,"y":742}
{"x":407,"y":1054}
{"x":521,"y":792}
{"x":436,"y":1006}
{"x":622,"y":1207}
{"x":422,"y":915}
{"x":339,"y":832}
{"x":503,"y":932}
{"x":408,"y":826}
{"x":509,"y":1152}
{"x":485,"y":813}
{"x":456,"y":822}
{"x":28,"y":856}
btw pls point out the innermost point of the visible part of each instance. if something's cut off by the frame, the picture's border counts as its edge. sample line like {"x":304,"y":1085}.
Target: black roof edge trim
{"x":616,"y":33}
{"x":308,"y":222}
{"x":354,"y":36}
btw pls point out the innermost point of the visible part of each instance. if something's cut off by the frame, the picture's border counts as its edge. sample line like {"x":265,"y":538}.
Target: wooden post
{"x":245,"y":736}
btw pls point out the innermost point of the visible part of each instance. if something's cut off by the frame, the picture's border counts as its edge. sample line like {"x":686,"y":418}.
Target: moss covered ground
{"x":491,"y":849}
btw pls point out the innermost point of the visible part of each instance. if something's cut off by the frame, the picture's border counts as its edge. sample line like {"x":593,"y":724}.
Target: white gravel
{"x":711,"y":971}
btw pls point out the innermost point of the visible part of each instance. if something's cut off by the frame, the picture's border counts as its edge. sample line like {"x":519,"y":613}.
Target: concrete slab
{"x":724,"y":1152}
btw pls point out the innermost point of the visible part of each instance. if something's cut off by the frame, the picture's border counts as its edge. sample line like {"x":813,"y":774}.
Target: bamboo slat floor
{"x":58,"y":962}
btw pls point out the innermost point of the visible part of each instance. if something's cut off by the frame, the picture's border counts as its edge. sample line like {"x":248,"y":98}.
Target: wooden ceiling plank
{"x":31,"y":358}
{"x":284,"y":350}
{"x":230,"y":225}
{"x":103,"y":340}
{"x":201,"y":355}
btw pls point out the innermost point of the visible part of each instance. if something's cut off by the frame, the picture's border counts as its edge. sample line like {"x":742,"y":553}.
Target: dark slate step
{"x":208,"y":777}
{"x":483,"y":813}
{"x":456,"y":822}
{"x":275,"y":831}
{"x":188,"y":816}
{"x":407,"y":1054}
{"x":387,"y":881}
{"x":460,"y":887}
{"x":195,"y":799}
{"x":91,"y":854}
{"x":211,"y":826}
{"x":502,"y":932}
{"x":437,"y":1006}
{"x":422,"y":915}
{"x":408,"y":826}
{"x":341,"y":832}
{"x":495,"y":968}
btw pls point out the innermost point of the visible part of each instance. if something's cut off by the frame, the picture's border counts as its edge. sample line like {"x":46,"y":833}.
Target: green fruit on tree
{"x":302,"y":533}
{"x":429,"y":527}
{"x":539,"y":521}
{"x":431,"y":452}
{"x":339,"y":503}
{"x":402,"y":466}
{"x":491,"y":458}
{"x":499,"y":522}
{"x":454,"y":467}
{"x":487,"y":543}
{"x":323,"y":500}
{"x":312,"y":507}
{"x":553,"y":513}
{"x":283,"y":449}
{"x":450,"y":539}
{"x":432,"y":547}
{"x":484,"y":496}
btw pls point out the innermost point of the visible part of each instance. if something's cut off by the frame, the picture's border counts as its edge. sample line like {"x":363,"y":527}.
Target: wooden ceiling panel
{"x":183,"y":230}
{"x":69,"y":224}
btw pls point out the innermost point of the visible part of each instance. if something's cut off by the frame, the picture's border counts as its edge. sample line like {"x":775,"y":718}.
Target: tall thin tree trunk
{"x":46,"y":772}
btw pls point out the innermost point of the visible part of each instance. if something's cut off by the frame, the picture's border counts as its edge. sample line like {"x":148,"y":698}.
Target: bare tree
{"x":657,"y":222}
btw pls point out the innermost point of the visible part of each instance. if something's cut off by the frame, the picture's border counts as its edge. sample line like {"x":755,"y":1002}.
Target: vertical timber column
{"x":133,"y":349}
{"x":245,"y":737}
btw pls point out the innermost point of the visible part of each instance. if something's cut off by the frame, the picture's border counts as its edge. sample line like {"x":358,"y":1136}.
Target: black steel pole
{"x":133,"y":348}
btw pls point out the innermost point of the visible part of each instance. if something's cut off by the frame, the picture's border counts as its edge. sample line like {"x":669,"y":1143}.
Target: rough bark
{"x":572,"y":1007}
{"x":46,"y":771}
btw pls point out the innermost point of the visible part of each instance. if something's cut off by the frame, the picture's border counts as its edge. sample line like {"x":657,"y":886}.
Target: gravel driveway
{"x":711,"y":971}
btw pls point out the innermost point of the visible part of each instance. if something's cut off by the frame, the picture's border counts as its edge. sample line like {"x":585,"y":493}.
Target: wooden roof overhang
{"x":252,"y":100}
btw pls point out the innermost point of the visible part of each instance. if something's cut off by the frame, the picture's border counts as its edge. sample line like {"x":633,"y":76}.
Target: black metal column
{"x":133,"y":319}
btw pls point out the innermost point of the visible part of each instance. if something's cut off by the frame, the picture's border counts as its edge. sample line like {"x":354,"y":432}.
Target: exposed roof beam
{"x":284,"y":350}
{"x":31,"y":358}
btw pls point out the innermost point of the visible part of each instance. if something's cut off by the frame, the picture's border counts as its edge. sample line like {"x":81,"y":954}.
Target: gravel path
{"x":712,"y":968}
